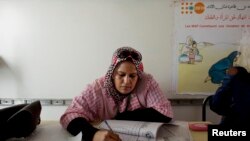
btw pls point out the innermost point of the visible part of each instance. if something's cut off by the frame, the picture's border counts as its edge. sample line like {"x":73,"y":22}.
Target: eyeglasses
{"x":126,"y":53}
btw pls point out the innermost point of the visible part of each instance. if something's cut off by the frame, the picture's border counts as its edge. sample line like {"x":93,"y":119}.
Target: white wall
{"x":53,"y":48}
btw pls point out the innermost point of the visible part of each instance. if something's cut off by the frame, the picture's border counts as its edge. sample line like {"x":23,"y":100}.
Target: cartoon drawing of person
{"x":190,"y":53}
{"x":198,"y":56}
{"x":191,"y":56}
{"x":183,"y":58}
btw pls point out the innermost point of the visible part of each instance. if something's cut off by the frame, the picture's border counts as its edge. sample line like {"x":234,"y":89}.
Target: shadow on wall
{"x":8,"y":80}
{"x":3,"y":64}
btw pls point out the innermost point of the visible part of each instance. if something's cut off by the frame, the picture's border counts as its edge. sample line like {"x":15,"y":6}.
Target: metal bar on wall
{"x":65,"y":102}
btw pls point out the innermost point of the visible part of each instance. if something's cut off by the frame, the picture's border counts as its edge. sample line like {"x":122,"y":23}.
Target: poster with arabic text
{"x":207,"y":35}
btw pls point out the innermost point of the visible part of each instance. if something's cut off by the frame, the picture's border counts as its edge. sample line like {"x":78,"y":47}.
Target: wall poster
{"x":206,"y":38}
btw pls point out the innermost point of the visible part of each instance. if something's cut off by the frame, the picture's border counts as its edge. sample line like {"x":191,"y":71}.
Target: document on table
{"x":149,"y":131}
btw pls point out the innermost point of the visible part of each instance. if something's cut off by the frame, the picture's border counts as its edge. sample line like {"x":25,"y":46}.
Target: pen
{"x":106,"y":122}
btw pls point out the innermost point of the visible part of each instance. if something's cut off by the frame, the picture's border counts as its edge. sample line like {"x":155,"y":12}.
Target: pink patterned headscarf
{"x":120,"y":55}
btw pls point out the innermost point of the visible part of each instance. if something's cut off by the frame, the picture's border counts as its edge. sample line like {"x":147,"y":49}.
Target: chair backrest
{"x":204,"y":105}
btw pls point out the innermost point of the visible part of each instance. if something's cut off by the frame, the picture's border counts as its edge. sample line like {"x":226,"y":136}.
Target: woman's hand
{"x":105,"y":135}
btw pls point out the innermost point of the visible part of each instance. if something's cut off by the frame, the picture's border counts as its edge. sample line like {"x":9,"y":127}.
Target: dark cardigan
{"x":232,"y":100}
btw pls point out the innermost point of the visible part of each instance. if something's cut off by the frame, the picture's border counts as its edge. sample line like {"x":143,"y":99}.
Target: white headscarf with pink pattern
{"x":120,"y":55}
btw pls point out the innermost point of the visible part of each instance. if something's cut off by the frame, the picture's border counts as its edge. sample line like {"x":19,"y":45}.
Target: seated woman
{"x":126,"y":92}
{"x":232,"y":99}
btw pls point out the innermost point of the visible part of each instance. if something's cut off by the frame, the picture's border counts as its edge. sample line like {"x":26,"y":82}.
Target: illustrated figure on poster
{"x":190,"y":53}
{"x":191,"y":56}
{"x":218,"y":70}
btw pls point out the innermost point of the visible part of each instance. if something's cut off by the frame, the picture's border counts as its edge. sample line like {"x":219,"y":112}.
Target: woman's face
{"x":125,"y":77}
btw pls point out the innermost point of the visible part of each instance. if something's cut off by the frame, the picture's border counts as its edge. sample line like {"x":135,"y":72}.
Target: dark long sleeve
{"x":222,"y":100}
{"x":81,"y":125}
{"x":148,"y":114}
